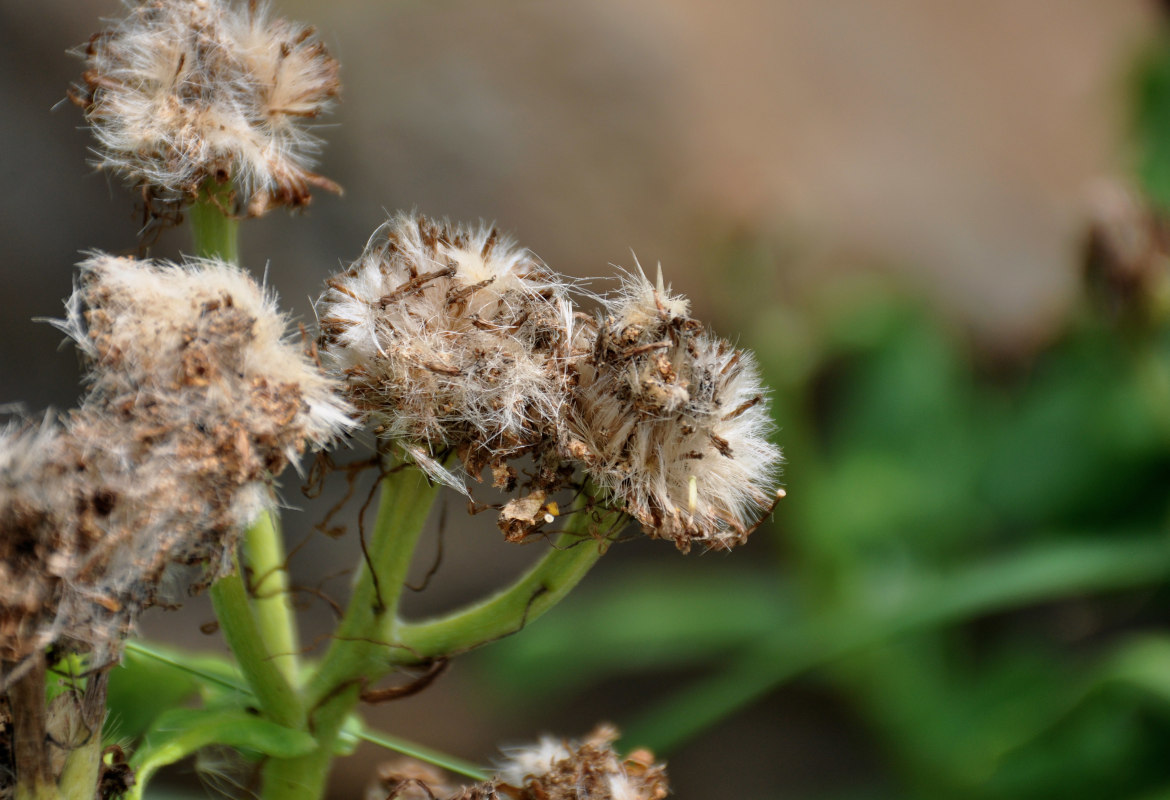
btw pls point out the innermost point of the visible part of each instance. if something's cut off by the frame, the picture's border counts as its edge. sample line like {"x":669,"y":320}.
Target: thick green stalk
{"x":82,"y":769}
{"x":362,"y":649}
{"x":263,"y":639}
{"x":271,"y":599}
{"x":215,"y":233}
{"x":534,"y":593}
{"x":279,"y":701}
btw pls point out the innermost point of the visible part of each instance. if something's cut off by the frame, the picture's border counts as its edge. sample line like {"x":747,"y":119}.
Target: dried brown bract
{"x":673,"y":422}
{"x":182,"y":92}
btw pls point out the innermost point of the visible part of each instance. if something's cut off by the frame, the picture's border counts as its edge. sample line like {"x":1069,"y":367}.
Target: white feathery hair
{"x":185,"y":91}
{"x":673,"y":422}
{"x":451,"y":336}
{"x":522,"y":762}
{"x":138,"y":321}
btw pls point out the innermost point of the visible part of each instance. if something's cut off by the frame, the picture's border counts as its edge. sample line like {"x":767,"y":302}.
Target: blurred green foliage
{"x":973,"y":555}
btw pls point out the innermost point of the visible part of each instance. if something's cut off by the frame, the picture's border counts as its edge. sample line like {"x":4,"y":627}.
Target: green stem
{"x":360,"y":644}
{"x":534,"y":593}
{"x":216,"y":234}
{"x":425,"y":754}
{"x":82,"y":769}
{"x":264,"y":551}
{"x":264,"y":641}
{"x":277,"y":698}
{"x":362,"y":649}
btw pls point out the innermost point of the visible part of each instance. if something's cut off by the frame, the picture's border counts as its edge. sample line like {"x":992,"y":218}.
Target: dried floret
{"x":182,"y":92}
{"x":452,"y":338}
{"x":673,"y":422}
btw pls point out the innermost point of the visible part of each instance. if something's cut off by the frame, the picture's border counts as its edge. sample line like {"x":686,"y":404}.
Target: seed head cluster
{"x":181,"y":92}
{"x":551,"y":769}
{"x":195,"y":402}
{"x":452,"y":338}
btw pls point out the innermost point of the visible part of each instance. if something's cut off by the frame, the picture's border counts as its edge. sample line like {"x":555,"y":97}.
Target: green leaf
{"x":1144,"y":664}
{"x":180,"y":732}
{"x":644,"y":619}
{"x":1153,"y":124}
{"x":152,"y":679}
{"x":912,"y":603}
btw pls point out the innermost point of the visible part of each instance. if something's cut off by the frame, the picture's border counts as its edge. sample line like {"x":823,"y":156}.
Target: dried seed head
{"x":673,"y":422}
{"x":590,"y":770}
{"x":551,"y":769}
{"x":195,"y":403}
{"x":183,"y":91}
{"x":204,"y":339}
{"x":451,"y":337}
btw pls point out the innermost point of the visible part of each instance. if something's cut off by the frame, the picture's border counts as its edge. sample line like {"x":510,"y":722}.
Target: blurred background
{"x":940,"y":227}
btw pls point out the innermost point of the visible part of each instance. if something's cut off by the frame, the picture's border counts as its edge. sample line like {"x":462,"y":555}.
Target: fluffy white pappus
{"x":185,"y":91}
{"x":451,"y":337}
{"x":527,"y":761}
{"x":673,"y":422}
{"x":201,"y":332}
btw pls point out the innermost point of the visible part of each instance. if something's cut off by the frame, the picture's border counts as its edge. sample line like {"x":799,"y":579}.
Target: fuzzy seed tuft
{"x":183,"y":92}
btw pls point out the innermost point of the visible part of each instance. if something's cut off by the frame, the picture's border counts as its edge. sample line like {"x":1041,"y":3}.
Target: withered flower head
{"x":673,"y":422}
{"x":195,"y":403}
{"x":201,"y":339}
{"x":551,"y":769}
{"x":590,"y":770}
{"x":185,"y":91}
{"x":451,"y":337}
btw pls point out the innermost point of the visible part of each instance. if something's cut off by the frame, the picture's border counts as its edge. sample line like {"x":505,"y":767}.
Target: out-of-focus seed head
{"x":181,"y":92}
{"x":196,"y":402}
{"x":589,"y":770}
{"x":551,"y":769}
{"x":452,"y":337}
{"x":673,"y":422}
{"x":37,"y":545}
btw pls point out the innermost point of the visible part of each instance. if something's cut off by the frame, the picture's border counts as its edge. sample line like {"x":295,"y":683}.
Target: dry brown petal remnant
{"x":453,"y":339}
{"x":195,"y":403}
{"x":673,"y":422}
{"x":552,"y":769}
{"x":185,"y":91}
